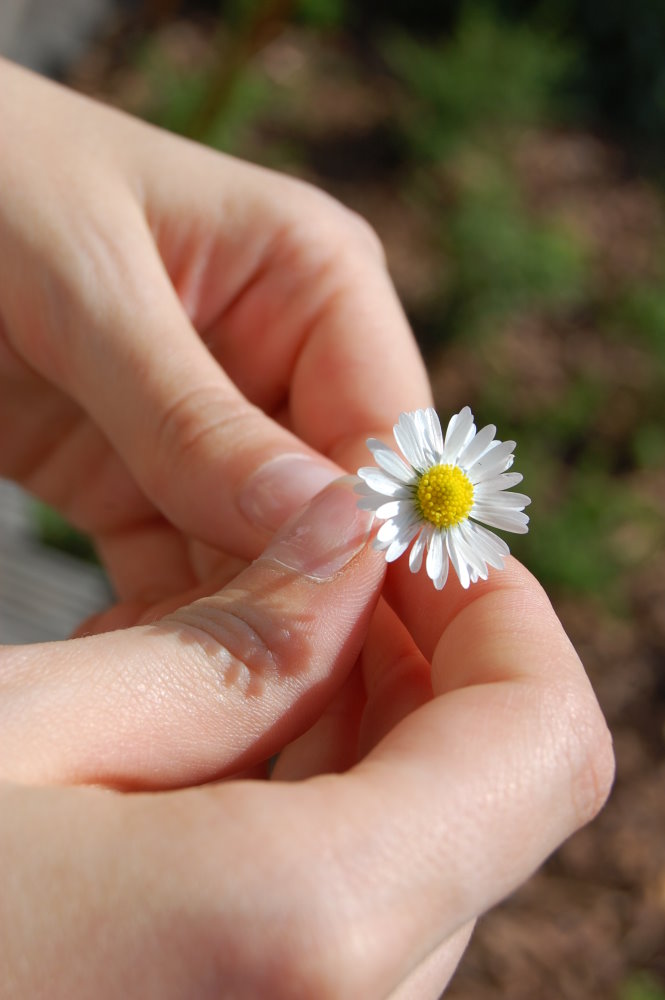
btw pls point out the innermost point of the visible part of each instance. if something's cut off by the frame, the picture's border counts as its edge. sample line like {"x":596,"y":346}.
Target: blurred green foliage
{"x":585,"y":516}
{"x":54,"y":531}
{"x":322,"y":13}
{"x":503,"y":260}
{"x":641,"y":309}
{"x":212,"y":103}
{"x":642,"y":986}
{"x":618,"y":81}
{"x":567,"y":546}
{"x":489,"y":75}
{"x":649,"y":445}
{"x":467,"y":97}
{"x":621,"y":76}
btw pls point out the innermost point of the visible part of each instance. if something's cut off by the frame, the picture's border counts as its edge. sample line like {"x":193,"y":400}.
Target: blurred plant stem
{"x":256,"y":26}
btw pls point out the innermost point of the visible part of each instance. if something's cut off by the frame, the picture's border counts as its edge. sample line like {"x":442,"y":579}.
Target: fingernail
{"x":280,"y":487}
{"x":326,"y":536}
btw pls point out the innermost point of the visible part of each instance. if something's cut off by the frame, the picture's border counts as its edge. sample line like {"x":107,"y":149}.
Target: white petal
{"x":401,"y":543}
{"x":477,"y":550}
{"x":400,"y":524}
{"x":373,"y":502}
{"x":440,"y":581}
{"x":423,"y":436}
{"x":469,"y":553}
{"x":461,"y":430}
{"x":430,"y":435}
{"x":362,"y":488}
{"x":395,"y":550}
{"x":406,"y":516}
{"x":369,"y":498}
{"x":388,"y":510}
{"x":388,"y":532}
{"x":407,"y":436}
{"x":459,"y":564}
{"x":382,"y":483}
{"x":380,"y":546}
{"x":495,"y":460}
{"x":416,"y":553}
{"x":507,"y":520}
{"x":502,"y":482}
{"x":434,"y":433}
{"x":477,"y":447}
{"x":434,"y":561}
{"x":390,"y":461}
{"x":375,"y":445}
{"x":492,"y":548}
{"x":502,"y":500}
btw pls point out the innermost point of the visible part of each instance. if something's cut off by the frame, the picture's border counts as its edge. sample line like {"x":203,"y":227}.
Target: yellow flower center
{"x":444,"y":495}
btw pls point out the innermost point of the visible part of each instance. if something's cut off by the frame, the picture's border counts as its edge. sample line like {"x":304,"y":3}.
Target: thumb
{"x":220,"y":685}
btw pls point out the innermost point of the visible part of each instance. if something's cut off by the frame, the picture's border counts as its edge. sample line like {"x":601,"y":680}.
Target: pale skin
{"x":171,"y":320}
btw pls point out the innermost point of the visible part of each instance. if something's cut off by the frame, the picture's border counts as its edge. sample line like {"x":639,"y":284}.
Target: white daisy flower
{"x":438,"y":492}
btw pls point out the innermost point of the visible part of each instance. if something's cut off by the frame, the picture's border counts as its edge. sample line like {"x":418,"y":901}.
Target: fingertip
{"x":427,"y":612}
{"x":504,"y":628}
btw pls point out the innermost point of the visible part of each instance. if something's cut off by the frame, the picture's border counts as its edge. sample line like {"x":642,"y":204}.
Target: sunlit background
{"x":511,"y":156}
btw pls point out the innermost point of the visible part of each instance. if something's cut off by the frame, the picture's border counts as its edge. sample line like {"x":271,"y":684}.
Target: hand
{"x":190,"y":346}
{"x":364,"y":883}
{"x":112,"y":409}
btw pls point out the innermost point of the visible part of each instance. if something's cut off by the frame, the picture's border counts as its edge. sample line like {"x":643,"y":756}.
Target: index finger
{"x":308,"y":350}
{"x":307,"y":320}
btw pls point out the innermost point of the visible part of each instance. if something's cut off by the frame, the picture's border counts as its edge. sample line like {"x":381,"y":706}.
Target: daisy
{"x":437,"y":493}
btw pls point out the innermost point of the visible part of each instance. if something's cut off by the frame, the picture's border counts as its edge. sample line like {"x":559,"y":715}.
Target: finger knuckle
{"x":357,"y":238}
{"x":184,"y":429}
{"x":245,"y":648}
{"x":323,"y":956}
{"x":346,"y":229}
{"x":594,"y":774}
{"x":366,"y":235}
{"x":585,"y":744}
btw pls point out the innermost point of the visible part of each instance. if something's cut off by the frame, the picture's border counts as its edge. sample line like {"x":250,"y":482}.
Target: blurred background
{"x":511,"y":156}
